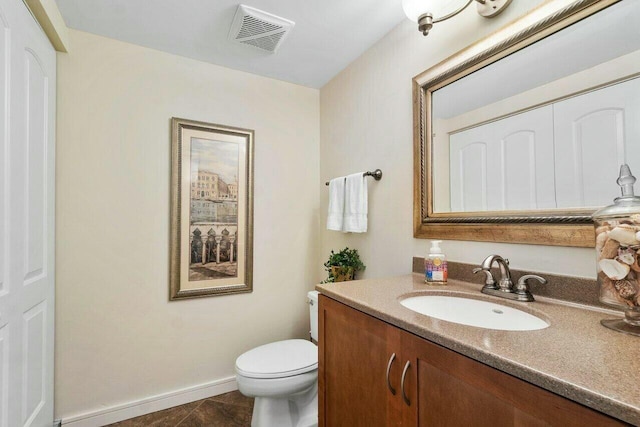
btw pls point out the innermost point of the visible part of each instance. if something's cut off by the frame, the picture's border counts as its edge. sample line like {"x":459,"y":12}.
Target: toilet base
{"x":298,"y":410}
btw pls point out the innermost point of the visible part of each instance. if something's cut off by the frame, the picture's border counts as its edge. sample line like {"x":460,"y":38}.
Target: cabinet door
{"x":595,"y":133}
{"x":448,"y":389}
{"x":354,"y":350}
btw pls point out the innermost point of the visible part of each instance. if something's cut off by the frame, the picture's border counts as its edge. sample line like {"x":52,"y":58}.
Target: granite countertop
{"x":574,"y":357}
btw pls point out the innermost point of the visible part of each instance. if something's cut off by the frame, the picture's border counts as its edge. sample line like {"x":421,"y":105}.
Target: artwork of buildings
{"x":213,"y":226}
{"x":208,"y":185}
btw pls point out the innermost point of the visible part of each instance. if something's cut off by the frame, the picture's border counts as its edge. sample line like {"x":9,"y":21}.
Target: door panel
{"x":473,"y":177}
{"x":35,"y":168}
{"x":27,"y":130}
{"x":507,"y":164}
{"x":436,"y":385}
{"x":450,"y":389}
{"x":354,"y":350}
{"x":527,"y":155}
{"x":34,"y":354}
{"x":470,"y":154}
{"x":519,"y":170}
{"x":598,"y":131}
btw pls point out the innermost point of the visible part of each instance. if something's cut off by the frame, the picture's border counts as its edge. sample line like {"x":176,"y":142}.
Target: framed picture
{"x":211,"y":210}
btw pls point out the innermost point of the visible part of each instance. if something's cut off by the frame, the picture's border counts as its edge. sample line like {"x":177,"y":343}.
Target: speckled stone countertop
{"x":574,"y":357}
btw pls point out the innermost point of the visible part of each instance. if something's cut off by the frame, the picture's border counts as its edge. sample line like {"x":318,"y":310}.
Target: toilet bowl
{"x":283,"y":378}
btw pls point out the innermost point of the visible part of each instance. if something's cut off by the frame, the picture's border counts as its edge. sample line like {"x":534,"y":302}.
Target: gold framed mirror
{"x":496,"y":156}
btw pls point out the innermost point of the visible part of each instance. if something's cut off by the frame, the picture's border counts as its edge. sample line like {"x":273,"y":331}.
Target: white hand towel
{"x":355,"y":204}
{"x":336,"y":204}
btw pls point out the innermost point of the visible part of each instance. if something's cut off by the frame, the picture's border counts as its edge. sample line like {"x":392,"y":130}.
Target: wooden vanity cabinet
{"x":353,"y":354}
{"x":443,"y":388}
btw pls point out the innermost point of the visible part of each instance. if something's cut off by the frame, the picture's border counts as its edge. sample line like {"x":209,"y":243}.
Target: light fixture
{"x":428,"y":12}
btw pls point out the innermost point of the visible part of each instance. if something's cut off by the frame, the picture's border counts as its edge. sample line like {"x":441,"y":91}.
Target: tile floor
{"x":226,"y":410}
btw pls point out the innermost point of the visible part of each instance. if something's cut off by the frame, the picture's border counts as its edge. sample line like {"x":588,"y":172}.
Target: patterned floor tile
{"x":234,"y":398}
{"x":216,"y":414}
{"x":226,"y":410}
{"x":167,"y":418}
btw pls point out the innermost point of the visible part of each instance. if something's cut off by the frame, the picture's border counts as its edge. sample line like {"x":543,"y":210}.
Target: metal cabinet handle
{"x":391,"y":359}
{"x":404,"y":374}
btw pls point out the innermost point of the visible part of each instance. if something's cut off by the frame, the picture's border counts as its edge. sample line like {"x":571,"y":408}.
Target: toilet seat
{"x":278,"y":360}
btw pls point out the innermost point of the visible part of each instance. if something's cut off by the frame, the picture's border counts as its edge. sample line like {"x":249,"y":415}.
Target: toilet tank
{"x":313,"y":314}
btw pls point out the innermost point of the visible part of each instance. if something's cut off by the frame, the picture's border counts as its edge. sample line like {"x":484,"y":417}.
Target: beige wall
{"x":118,"y":338}
{"x":366,"y":123}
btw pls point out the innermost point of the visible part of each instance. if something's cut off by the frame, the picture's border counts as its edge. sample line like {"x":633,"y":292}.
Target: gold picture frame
{"x":211,"y":249}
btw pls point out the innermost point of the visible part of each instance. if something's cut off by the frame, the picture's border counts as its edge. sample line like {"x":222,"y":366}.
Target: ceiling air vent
{"x":260,"y":29}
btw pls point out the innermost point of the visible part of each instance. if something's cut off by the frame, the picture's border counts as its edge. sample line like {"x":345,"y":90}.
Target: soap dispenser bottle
{"x":435,"y":265}
{"x":618,"y":255}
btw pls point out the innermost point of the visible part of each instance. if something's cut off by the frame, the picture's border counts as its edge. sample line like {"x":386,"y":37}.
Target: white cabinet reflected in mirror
{"x":565,"y":151}
{"x":535,"y":134}
{"x":562,"y":155}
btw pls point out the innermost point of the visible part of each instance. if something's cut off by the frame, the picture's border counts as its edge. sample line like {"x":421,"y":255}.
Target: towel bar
{"x":376,"y":174}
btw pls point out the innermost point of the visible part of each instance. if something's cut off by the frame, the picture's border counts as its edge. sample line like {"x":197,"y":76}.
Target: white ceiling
{"x":328,"y":34}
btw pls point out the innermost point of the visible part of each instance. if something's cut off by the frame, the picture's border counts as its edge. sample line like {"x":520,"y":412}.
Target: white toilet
{"x":283,"y":378}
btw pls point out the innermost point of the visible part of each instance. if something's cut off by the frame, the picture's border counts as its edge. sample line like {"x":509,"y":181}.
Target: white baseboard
{"x":151,"y":404}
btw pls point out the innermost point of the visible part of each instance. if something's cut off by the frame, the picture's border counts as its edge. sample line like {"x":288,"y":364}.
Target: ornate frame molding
{"x":560,"y":228}
{"x":176,"y":292}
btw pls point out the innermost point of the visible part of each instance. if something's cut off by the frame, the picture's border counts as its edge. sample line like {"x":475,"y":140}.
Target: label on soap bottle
{"x":435,"y":270}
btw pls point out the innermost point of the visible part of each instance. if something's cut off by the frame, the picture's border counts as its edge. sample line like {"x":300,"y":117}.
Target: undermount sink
{"x":473,"y":312}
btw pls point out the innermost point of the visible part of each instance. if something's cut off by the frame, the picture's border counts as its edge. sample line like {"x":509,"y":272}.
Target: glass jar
{"x":618,"y":255}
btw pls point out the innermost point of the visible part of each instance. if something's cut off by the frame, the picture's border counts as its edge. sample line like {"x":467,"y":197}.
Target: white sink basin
{"x":472,"y":312}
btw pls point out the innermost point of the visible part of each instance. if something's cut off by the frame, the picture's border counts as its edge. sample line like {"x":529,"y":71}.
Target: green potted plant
{"x":343,"y":265}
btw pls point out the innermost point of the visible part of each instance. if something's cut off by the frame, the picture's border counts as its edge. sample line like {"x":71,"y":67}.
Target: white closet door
{"x":526,"y":168}
{"x":27,"y":114}
{"x":595,"y":134}
{"x":471,"y":152}
{"x":504,"y":165}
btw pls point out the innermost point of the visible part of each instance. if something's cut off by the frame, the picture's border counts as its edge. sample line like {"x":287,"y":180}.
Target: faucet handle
{"x":489,"y":280}
{"x":522,"y":287}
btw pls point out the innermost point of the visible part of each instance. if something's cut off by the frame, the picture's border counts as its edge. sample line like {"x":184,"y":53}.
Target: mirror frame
{"x":557,"y":227}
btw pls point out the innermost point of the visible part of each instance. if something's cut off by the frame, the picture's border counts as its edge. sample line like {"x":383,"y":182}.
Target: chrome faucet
{"x":504,"y":284}
{"x":504,"y":288}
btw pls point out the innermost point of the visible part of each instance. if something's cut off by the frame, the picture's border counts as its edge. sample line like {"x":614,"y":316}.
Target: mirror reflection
{"x":545,"y":128}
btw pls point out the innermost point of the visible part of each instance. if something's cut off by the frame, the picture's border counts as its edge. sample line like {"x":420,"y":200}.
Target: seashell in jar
{"x":601,"y":239}
{"x":636,"y":264}
{"x":609,"y":293}
{"x":603,"y":229}
{"x":610,"y":249}
{"x":613,"y":269}
{"x":625,"y":289}
{"x":625,"y":235}
{"x":638,"y":236}
{"x":627,"y":256}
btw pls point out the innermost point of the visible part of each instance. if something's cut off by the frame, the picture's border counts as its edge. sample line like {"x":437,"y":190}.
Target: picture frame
{"x":211,"y":240}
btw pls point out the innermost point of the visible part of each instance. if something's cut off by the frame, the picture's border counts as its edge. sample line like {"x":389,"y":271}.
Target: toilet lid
{"x":278,"y":359}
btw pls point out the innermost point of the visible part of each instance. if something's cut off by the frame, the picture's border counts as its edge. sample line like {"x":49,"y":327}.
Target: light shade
{"x":438,"y":8}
